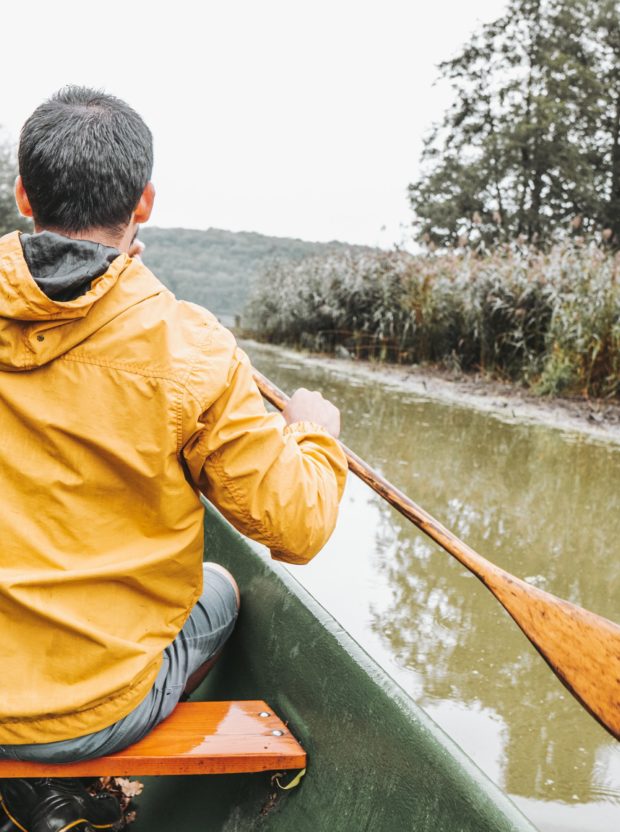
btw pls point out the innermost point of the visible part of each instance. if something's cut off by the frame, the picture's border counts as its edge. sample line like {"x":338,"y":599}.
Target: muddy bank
{"x":599,"y":420}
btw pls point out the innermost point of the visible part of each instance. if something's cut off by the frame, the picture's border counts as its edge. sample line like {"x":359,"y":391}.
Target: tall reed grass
{"x":550,"y":320}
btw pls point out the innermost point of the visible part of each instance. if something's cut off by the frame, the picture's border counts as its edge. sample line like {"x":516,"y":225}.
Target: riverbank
{"x":597,"y":419}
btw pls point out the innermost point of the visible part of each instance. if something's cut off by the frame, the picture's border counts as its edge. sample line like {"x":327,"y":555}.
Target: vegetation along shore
{"x":548,"y":320}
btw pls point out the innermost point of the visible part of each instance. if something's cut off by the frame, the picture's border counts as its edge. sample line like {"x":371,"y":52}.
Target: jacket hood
{"x":37,"y":321}
{"x":64,"y":268}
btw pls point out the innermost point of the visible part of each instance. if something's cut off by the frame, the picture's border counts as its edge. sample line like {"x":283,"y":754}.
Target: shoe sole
{"x":83,"y":825}
{"x":80,"y":825}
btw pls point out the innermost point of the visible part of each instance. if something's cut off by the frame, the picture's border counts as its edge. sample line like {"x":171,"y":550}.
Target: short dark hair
{"x":85,"y":158}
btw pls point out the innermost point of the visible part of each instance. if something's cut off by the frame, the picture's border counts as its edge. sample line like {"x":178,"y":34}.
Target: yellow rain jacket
{"x":116,"y":408}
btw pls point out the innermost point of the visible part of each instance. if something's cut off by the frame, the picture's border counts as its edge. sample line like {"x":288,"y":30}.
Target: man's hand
{"x":310,"y":406}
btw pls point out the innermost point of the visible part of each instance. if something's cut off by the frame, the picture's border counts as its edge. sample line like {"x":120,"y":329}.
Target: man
{"x":118,"y":405}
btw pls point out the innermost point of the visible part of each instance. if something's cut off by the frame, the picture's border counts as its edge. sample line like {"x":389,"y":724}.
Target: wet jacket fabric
{"x":116,"y":408}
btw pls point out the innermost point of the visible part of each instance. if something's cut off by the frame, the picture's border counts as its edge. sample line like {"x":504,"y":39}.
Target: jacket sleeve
{"x":278,"y":484}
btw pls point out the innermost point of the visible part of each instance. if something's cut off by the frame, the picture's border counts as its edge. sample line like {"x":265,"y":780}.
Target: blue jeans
{"x":204,"y":633}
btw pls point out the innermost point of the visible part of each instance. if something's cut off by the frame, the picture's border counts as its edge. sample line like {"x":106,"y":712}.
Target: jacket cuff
{"x":306,"y":427}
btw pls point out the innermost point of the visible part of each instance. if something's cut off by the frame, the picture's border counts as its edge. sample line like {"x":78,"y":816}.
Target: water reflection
{"x":540,"y":506}
{"x":469,"y":651}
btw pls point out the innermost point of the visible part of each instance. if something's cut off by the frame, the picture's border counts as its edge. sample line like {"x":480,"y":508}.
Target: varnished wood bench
{"x":198,"y":738}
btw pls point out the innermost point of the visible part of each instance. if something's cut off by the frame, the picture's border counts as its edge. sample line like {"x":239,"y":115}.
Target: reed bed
{"x":549,"y":320}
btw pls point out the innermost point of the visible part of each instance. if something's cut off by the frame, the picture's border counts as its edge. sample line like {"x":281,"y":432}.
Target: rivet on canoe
{"x":264,"y":713}
{"x":277,"y":733}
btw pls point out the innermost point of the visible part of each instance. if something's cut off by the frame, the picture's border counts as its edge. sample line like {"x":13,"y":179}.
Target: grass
{"x":549,"y":320}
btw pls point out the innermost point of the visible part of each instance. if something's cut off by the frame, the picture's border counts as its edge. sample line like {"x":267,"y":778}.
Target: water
{"x":544,"y":505}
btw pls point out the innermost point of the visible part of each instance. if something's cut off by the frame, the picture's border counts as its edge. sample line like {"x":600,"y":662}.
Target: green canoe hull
{"x":376,"y":761}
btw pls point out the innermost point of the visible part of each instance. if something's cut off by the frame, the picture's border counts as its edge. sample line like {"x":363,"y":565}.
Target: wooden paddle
{"x":582,"y":648}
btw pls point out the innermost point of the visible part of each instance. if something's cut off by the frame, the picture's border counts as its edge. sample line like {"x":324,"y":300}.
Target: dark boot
{"x":56,"y":805}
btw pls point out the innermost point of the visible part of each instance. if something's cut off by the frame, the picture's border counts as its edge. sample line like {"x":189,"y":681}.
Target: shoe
{"x":56,"y":805}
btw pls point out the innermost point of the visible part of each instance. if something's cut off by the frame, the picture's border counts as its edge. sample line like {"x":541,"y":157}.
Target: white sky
{"x":300,"y":119}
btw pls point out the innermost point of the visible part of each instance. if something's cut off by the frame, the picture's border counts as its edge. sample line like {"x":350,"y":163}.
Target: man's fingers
{"x":136,"y":248}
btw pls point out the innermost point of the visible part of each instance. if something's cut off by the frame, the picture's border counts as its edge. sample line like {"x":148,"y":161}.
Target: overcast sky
{"x":300,"y":119}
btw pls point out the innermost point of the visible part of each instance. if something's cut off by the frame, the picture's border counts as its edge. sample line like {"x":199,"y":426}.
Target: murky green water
{"x":542,"y":504}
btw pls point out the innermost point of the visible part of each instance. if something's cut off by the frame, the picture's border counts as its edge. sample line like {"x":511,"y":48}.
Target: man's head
{"x":85,"y":163}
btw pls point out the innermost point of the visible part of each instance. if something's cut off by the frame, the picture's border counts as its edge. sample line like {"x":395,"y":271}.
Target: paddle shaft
{"x":582,"y":648}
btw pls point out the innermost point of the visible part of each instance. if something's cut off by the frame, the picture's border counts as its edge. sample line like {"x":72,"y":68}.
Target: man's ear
{"x":145,"y":206}
{"x":21,"y":198}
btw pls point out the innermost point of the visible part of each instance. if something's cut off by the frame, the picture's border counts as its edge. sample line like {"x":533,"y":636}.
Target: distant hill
{"x":218,"y":269}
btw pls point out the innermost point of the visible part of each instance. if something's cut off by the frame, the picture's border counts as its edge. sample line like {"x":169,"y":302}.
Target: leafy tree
{"x":530,"y":145}
{"x":10,"y":218}
{"x":606,"y":28}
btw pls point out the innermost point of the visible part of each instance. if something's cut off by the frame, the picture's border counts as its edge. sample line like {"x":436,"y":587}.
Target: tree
{"x":10,"y":218}
{"x":527,"y":147}
{"x":606,"y":29}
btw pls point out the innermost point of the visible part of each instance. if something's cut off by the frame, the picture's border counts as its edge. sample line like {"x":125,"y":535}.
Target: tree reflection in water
{"x":542,"y":508}
{"x":536,"y":502}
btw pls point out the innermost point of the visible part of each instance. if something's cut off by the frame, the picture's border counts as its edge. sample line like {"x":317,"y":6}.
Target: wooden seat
{"x":198,"y":738}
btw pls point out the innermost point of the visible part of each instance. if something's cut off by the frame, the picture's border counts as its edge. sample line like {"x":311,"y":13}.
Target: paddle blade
{"x":582,"y":648}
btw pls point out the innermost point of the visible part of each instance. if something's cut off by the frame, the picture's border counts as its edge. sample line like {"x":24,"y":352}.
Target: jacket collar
{"x":35,"y":329}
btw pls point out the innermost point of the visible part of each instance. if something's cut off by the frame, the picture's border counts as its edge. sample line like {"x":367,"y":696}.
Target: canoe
{"x":376,"y":760}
